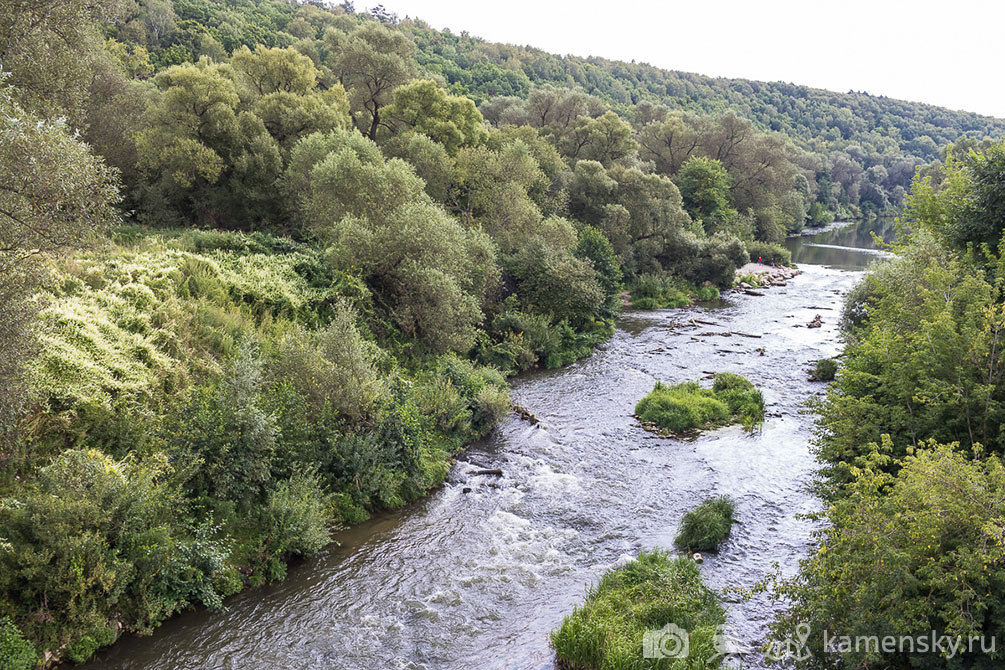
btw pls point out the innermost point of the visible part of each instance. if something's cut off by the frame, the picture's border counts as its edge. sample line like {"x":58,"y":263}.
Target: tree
{"x":597,"y":249}
{"x":903,"y":556}
{"x":55,"y":193}
{"x":427,"y":272}
{"x":264,"y":71}
{"x":203,"y":159}
{"x":604,"y":139}
{"x":48,"y":48}
{"x":705,"y":189}
{"x":423,"y":107}
{"x":289,"y":116}
{"x":371,"y":62}
{"x":968,"y":207}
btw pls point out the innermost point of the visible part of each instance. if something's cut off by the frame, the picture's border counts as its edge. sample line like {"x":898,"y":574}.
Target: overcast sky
{"x":946,"y":53}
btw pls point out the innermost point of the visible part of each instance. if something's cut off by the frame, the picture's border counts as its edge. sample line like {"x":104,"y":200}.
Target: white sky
{"x":945,"y":53}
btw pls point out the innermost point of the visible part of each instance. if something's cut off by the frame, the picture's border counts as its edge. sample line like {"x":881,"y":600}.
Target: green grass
{"x":686,"y":407}
{"x":607,"y":631}
{"x":652,"y":291}
{"x":706,"y":526}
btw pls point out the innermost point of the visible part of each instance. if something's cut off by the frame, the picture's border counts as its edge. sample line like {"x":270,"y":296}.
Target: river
{"x":476,"y":575}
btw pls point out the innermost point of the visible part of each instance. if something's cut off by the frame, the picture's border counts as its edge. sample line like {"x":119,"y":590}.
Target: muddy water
{"x":476,"y":579}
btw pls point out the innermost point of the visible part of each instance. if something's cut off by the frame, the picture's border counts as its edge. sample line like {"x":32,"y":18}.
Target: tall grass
{"x":687,"y":406}
{"x":652,"y":291}
{"x":656,"y":589}
{"x":707,"y":526}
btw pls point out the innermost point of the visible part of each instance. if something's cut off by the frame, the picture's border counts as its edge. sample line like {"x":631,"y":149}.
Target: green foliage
{"x":422,"y":107}
{"x":295,"y":517}
{"x":597,"y":249}
{"x":966,"y":209}
{"x":652,"y":291}
{"x":296,"y":385}
{"x":824,"y":370}
{"x":686,"y":406}
{"x":646,"y":594}
{"x":706,"y":526}
{"x":91,"y":537}
{"x":50,"y":51}
{"x":16,"y":653}
{"x":699,"y":259}
{"x":769,"y":253}
{"x":372,"y":61}
{"x":906,"y":555}
{"x":705,"y":188}
{"x":922,"y":363}
{"x":225,"y":429}
{"x":333,"y":369}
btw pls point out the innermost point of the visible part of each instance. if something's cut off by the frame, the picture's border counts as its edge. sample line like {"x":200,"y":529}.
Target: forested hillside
{"x":864,"y":149}
{"x":265,"y":268}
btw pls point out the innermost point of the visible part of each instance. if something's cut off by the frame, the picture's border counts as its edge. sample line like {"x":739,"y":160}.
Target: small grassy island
{"x":706,"y":526}
{"x":651,"y":292}
{"x":686,"y":408}
{"x":646,"y":594}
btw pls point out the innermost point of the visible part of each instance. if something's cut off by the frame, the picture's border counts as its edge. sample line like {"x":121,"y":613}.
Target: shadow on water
{"x":847,"y":245}
{"x":476,"y":575}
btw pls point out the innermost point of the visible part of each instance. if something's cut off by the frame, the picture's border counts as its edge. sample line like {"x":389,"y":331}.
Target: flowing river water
{"x":476,"y":575}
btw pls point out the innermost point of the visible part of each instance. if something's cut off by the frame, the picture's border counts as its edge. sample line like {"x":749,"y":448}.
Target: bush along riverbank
{"x":685,"y":409}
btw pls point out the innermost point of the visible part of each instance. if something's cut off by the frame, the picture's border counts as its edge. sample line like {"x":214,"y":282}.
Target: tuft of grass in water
{"x":608,"y":631}
{"x":824,"y":370}
{"x":687,"y":406}
{"x":706,"y":526}
{"x":652,"y":291}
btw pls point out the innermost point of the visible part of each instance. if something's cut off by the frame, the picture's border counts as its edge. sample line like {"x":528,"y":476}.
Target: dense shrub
{"x":769,"y":253}
{"x":704,"y":259}
{"x":295,"y":518}
{"x":652,"y":291}
{"x":646,"y":594}
{"x":706,"y":526}
{"x":16,"y":653}
{"x":518,"y":340}
{"x":93,"y":538}
{"x":923,"y":361}
{"x":824,"y":370}
{"x":333,"y":368}
{"x":907,"y":555}
{"x":687,"y":406}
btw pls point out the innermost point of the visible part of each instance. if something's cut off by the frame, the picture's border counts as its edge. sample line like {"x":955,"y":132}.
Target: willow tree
{"x":371,"y":62}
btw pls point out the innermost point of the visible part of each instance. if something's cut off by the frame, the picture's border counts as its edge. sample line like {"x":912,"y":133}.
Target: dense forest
{"x":265,"y":268}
